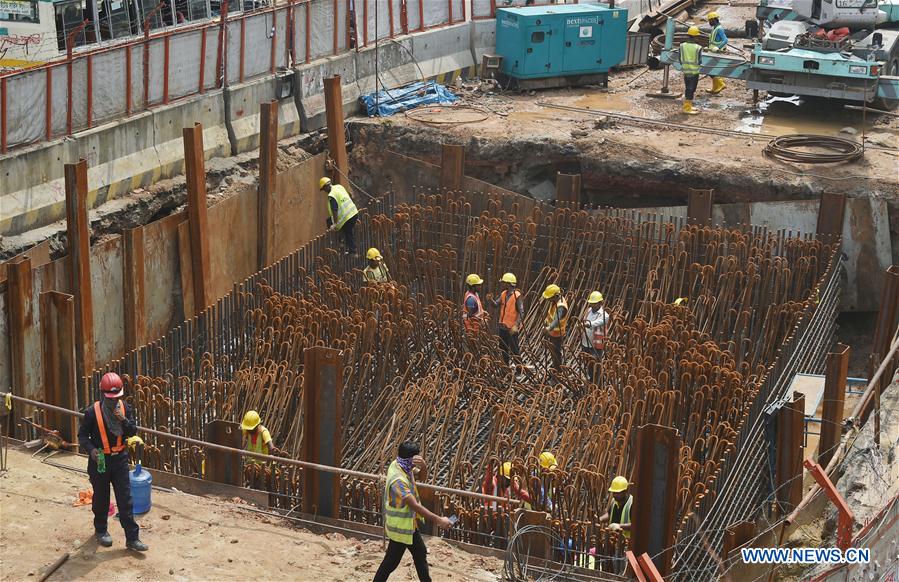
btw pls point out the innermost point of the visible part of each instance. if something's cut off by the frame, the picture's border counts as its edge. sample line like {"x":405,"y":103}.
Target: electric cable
{"x":795,"y":148}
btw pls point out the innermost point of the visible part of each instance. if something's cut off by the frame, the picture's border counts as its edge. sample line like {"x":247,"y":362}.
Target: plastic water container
{"x":141,"y":486}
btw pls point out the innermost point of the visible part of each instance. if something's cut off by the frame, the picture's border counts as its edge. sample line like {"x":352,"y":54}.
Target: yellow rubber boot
{"x":688,"y":108}
{"x":718,"y":85}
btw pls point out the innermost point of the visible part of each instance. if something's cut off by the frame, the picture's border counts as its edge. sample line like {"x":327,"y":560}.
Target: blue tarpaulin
{"x":390,"y":101}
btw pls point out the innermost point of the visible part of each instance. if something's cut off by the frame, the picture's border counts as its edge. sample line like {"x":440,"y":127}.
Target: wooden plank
{"x":21,"y":321}
{"x":322,"y":397}
{"x":268,"y":171}
{"x":336,"y":132}
{"x":837,"y":369}
{"x":452,"y":166}
{"x":78,"y":236}
{"x":187,"y":272}
{"x":133,"y":288}
{"x":196,"y":215}
{"x":58,"y":347}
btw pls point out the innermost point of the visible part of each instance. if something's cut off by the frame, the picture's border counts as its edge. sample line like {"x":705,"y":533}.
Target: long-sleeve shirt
{"x":594,"y":320}
{"x":560,"y":313}
{"x":89,"y":431}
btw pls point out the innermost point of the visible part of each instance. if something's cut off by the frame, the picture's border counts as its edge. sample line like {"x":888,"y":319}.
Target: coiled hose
{"x":516,"y":568}
{"x":795,"y":148}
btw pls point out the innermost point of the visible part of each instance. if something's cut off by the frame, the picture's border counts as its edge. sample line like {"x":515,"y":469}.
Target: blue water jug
{"x":141,"y":485}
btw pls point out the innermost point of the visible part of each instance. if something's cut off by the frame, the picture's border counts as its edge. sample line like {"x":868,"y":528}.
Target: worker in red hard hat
{"x":104,"y":429}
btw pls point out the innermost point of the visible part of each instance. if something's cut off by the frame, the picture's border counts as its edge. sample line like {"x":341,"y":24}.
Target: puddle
{"x":787,"y":115}
{"x":604,"y":102}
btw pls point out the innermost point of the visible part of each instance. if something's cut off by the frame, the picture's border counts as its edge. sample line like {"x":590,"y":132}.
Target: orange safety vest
{"x":508,"y":317}
{"x":551,"y":315}
{"x":119,"y":445}
{"x":472,"y":322}
{"x":599,"y":338}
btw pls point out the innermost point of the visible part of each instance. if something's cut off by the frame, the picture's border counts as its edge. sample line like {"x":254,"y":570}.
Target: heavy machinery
{"x":824,"y":48}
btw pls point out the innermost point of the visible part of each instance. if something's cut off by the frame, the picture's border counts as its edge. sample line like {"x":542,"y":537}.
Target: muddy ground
{"x":190,"y":538}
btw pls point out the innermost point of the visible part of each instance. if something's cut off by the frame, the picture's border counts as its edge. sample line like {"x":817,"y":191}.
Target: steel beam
{"x":268,"y":173}
{"x":653,"y":510}
{"x":322,"y":441}
{"x":535,"y":545}
{"x":736,"y":536}
{"x":831,"y":213}
{"x":58,"y":359}
{"x":845,"y":517}
{"x":336,"y":133}
{"x":790,"y":438}
{"x":196,"y":215}
{"x":888,"y":316}
{"x":568,"y":189}
{"x":78,"y":236}
{"x":452,"y":166}
{"x":634,"y":566}
{"x":221,"y":466}
{"x":699,"y":207}
{"x":20,"y":314}
{"x":134,"y":293}
{"x":649,"y":568}
{"x":834,"y":400}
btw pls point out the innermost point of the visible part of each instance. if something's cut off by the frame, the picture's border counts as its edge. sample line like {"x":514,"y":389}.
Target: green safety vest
{"x":260,"y":446}
{"x":625,"y":512}
{"x":716,"y":44}
{"x":689,"y":58}
{"x":346,"y":209}
{"x":399,"y":522}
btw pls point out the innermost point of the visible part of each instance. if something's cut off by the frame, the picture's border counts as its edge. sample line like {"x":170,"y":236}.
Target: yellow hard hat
{"x":323,"y":181}
{"x":250,"y":420}
{"x":595,"y":297}
{"x":373,"y":254}
{"x":134,"y":441}
{"x":680,"y":300}
{"x":506,"y":470}
{"x":712,"y":16}
{"x":693,"y":31}
{"x":509,"y":278}
{"x":473,"y":279}
{"x":551,"y":291}
{"x":619,"y":484}
{"x":548,"y":460}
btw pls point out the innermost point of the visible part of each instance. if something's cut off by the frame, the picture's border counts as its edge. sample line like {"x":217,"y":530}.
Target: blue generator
{"x":560,"y":45}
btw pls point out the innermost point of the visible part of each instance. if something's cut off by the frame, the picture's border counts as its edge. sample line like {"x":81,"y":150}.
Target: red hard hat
{"x":111,"y":385}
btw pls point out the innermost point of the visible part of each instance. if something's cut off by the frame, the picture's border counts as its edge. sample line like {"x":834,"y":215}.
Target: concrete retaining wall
{"x":147,"y":147}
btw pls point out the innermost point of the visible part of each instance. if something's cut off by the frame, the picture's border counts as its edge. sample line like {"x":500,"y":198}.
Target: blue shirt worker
{"x":342,"y":212}
{"x":403,"y":511}
{"x":104,"y":429}
{"x":717,"y":43}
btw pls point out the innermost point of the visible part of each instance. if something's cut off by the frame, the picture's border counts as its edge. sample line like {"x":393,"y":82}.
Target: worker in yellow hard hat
{"x":376,"y":271}
{"x":717,"y":42}
{"x":473,"y":315}
{"x":511,"y":311}
{"x":548,"y":466}
{"x":556,"y":322}
{"x":501,"y":483}
{"x":680,"y":301}
{"x":690,"y":60}
{"x":342,"y":212}
{"x":619,"y":514}
{"x":596,"y":320}
{"x":258,"y":439}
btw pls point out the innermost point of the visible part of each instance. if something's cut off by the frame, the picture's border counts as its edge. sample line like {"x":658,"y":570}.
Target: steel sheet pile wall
{"x":707,"y":368}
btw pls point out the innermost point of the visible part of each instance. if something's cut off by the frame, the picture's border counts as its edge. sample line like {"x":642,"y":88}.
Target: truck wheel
{"x":888,"y":104}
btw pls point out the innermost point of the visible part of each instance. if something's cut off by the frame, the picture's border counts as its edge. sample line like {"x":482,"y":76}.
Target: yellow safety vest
{"x":399,"y":522}
{"x":551,"y":315}
{"x":689,"y":58}
{"x":379,"y":274}
{"x":260,"y":446}
{"x":346,"y":208}
{"x":625,"y":514}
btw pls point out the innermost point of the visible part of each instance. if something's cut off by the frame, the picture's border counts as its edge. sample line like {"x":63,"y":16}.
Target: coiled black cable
{"x":806,"y":148}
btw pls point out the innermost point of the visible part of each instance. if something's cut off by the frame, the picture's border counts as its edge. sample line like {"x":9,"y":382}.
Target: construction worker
{"x":593,"y":340}
{"x":258,"y":439}
{"x":690,"y":59}
{"x":548,"y":464}
{"x":717,"y":43}
{"x":473,"y":315}
{"x":511,"y":309}
{"x":500,"y":483}
{"x":103,"y":431}
{"x":680,"y":301}
{"x":619,"y":514}
{"x":376,"y":271}
{"x":342,"y":212}
{"x":402,"y":512}
{"x":556,"y":322}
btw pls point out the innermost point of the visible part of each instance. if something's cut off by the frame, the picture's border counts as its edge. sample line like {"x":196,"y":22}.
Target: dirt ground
{"x":190,"y":538}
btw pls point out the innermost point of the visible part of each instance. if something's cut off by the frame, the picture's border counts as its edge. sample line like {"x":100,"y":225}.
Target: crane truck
{"x":836,"y":49}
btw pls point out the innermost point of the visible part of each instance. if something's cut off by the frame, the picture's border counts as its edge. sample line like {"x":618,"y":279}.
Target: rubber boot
{"x":718,"y":85}
{"x":688,"y":107}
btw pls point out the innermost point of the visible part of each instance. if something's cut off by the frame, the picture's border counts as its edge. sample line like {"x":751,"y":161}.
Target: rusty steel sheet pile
{"x":706,"y":367}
